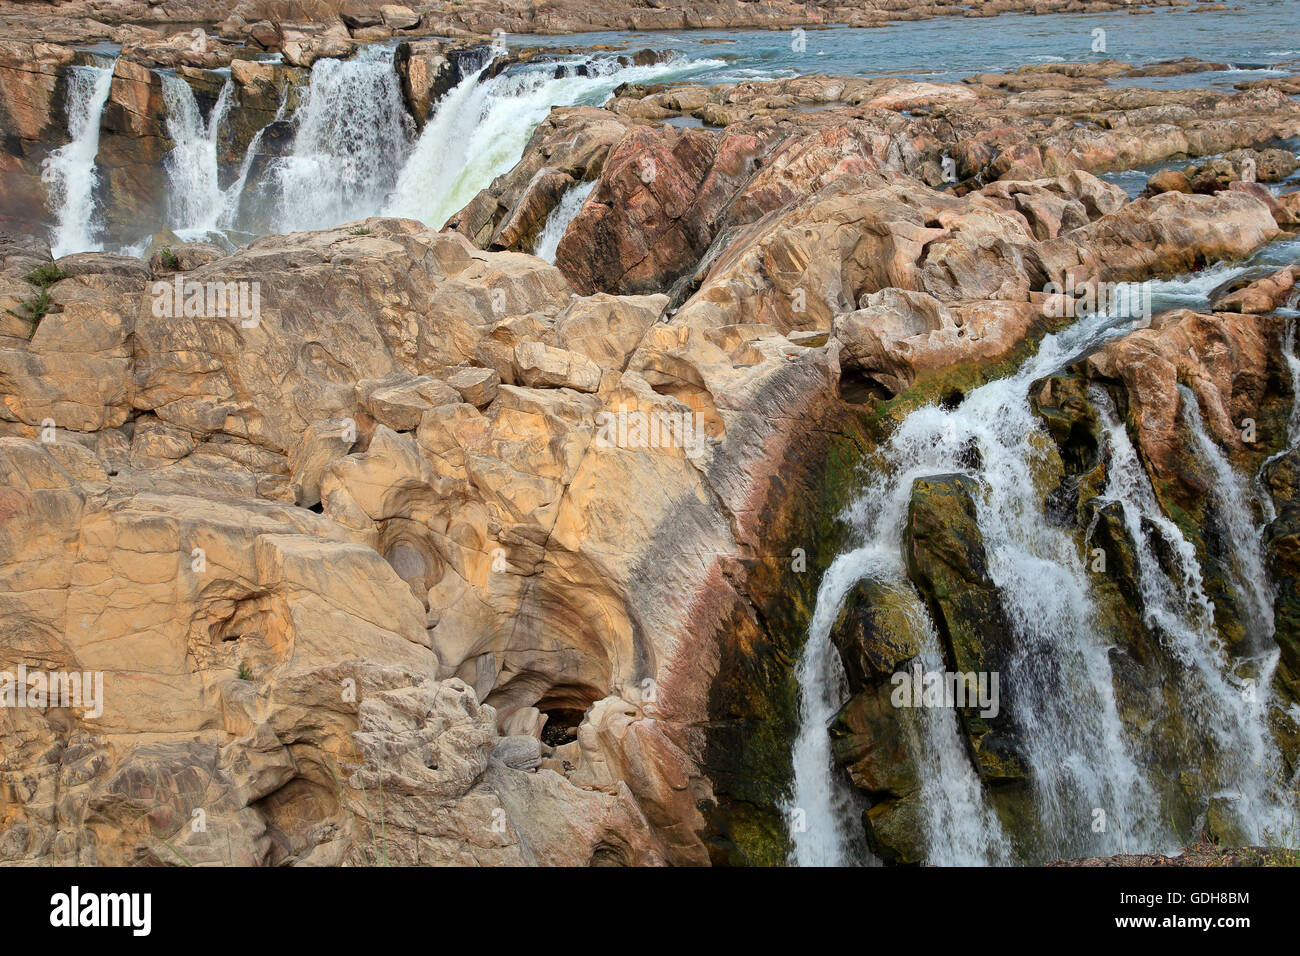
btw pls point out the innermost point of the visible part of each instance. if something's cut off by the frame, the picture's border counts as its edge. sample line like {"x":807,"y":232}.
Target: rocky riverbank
{"x":402,"y":546}
{"x":258,"y":21}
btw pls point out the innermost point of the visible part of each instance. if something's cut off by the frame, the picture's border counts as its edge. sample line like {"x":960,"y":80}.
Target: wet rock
{"x":1260,"y":296}
{"x":1282,"y":548}
{"x":946,"y":562}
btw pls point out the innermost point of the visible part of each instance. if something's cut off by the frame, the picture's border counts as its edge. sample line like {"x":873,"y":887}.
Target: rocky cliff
{"x":402,"y":546}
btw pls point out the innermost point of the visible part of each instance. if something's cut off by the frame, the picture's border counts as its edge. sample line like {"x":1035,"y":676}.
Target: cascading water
{"x":1237,"y":753}
{"x":479,"y":129}
{"x":234,"y":195}
{"x":354,"y":135}
{"x":1233,"y":502}
{"x":195,"y":200}
{"x":1075,"y":744}
{"x":69,"y":172}
{"x":960,"y":827}
{"x":823,"y":801}
{"x":354,"y":153}
{"x":565,"y":211}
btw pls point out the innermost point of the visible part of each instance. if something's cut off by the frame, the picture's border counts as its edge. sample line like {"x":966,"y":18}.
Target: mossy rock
{"x":870,"y":742}
{"x":874,"y":633}
{"x":947,"y":563}
{"x":896,"y":829}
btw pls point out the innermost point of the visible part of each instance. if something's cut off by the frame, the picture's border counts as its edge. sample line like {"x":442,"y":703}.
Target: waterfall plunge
{"x":479,"y":129}
{"x":195,"y":202}
{"x":353,"y":136}
{"x":565,"y":211}
{"x":198,"y":207}
{"x":1238,"y":744}
{"x":1075,"y":742}
{"x":69,"y":172}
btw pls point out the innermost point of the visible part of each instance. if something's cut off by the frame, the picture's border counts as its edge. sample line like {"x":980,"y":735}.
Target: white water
{"x":1238,"y":750}
{"x":961,"y":829}
{"x":1233,"y":501}
{"x":354,"y":152}
{"x":565,"y":211}
{"x":1293,"y":366}
{"x":1059,"y":679}
{"x":69,"y":172}
{"x":823,"y":804}
{"x":195,"y":202}
{"x":353,"y":137}
{"x":479,"y":129}
{"x":234,"y":194}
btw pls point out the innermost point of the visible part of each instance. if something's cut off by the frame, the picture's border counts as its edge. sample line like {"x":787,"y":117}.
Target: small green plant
{"x":37,"y":308}
{"x":1281,"y":842}
{"x":46,"y":275}
{"x":244,"y":673}
{"x":359,"y":231}
{"x":169,"y":259}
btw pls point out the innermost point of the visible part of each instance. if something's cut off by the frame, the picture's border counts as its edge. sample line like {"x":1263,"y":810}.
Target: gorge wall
{"x":443,"y":553}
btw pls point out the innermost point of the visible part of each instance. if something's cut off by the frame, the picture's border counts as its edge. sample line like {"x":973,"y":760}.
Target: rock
{"x":323,"y":443}
{"x":380,"y":537}
{"x":1258,"y":297}
{"x":946,"y":562}
{"x":541,"y":366}
{"x":573,"y":141}
{"x":1168,"y":180}
{"x":478,"y":386}
{"x":1223,"y":357}
{"x":397,"y":17}
{"x":182,"y":256}
{"x":519,"y":753}
{"x":303,"y":49}
{"x":400,"y":403}
{"x":899,"y":337}
{"x":650,"y":216}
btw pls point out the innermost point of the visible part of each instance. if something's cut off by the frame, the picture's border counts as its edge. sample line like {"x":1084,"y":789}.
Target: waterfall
{"x":353,"y":136}
{"x":1293,"y":367}
{"x":1060,"y":677}
{"x":548,"y":240}
{"x":194,"y":199}
{"x":823,"y":801}
{"x":480,"y":129}
{"x":234,"y":194}
{"x":1238,"y":747}
{"x":961,"y":829}
{"x":69,"y":172}
{"x":354,"y":153}
{"x":1233,"y":502}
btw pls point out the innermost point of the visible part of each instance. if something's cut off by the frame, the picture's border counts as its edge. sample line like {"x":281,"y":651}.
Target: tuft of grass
{"x":359,"y":231}
{"x":170,"y":259}
{"x":244,"y":673}
{"x":46,"y":275}
{"x":38,"y":307}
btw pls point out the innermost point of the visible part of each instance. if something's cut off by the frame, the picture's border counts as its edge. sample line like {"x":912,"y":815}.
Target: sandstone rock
{"x":478,"y":386}
{"x":541,"y":366}
{"x":401,"y":403}
{"x":946,"y":562}
{"x":398,"y":17}
{"x":1258,"y":297}
{"x":899,"y":337}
